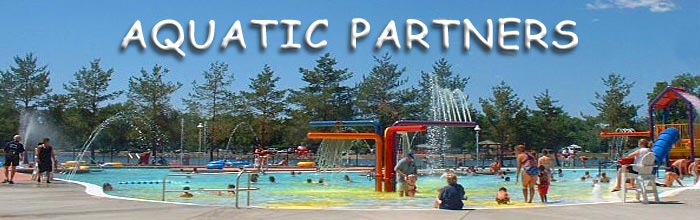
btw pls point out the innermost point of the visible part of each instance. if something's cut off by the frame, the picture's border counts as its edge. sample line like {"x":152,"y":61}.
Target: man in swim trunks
{"x":547,"y":162}
{"x":680,"y":167}
{"x":14,"y":153}
{"x":528,"y":166}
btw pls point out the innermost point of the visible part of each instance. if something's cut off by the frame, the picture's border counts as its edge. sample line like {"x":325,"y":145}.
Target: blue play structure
{"x":220,"y":164}
{"x":663,"y":144}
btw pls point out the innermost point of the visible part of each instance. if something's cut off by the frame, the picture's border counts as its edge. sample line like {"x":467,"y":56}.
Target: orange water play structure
{"x":385,"y":152}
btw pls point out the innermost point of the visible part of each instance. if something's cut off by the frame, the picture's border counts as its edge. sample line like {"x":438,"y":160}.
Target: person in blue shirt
{"x":451,"y":196}
{"x":13,"y":155}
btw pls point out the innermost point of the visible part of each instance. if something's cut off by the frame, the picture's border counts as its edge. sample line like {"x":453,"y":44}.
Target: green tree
{"x":548,"y":123}
{"x":504,"y":115}
{"x":677,"y":111}
{"x":323,"y":98}
{"x":266,"y":103}
{"x":151,"y":97}
{"x":27,"y":83}
{"x":612,"y":106}
{"x":210,"y":97}
{"x":8,"y":110}
{"x":379,"y":93}
{"x":87,"y":92}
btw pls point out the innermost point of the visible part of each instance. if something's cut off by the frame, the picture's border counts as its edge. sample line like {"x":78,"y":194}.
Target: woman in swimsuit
{"x":528,"y":164}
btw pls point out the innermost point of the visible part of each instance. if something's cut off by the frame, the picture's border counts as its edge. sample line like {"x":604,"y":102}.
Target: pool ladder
{"x":238,"y":189}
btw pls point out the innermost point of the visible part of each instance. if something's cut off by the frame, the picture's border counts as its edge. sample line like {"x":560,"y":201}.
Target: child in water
{"x":586,"y":175}
{"x":543,"y":185}
{"x":502,"y":197}
{"x":411,"y":182}
{"x":186,"y":193}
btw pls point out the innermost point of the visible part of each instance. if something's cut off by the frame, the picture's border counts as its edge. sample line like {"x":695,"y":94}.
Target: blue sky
{"x":644,"y":40}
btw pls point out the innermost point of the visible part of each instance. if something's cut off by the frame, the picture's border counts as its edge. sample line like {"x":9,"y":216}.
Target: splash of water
{"x":247,"y":126}
{"x":445,"y":105}
{"x":330,"y":153}
{"x":34,"y":126}
{"x":91,"y":138}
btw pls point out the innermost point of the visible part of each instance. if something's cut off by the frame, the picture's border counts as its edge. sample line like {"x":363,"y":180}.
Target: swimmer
{"x":107,"y":187}
{"x":272,"y":179}
{"x":292,"y":173}
{"x":186,"y":193}
{"x":309,"y":181}
{"x":322,"y":182}
{"x":502,"y":197}
{"x":254,"y":178}
{"x":604,"y":178}
{"x":586,"y":175}
{"x":231,"y":190}
{"x":347,"y":179}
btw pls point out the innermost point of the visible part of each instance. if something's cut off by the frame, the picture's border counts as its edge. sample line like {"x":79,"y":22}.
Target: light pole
{"x":200,"y":126}
{"x":477,"y":129}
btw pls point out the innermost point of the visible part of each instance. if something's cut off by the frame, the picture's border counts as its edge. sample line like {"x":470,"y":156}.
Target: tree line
{"x":279,"y":117}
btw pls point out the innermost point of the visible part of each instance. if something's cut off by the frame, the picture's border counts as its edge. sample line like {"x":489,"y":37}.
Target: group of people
{"x":674,"y":173}
{"x":449,"y":197}
{"x":230,"y":191}
{"x":44,"y":156}
{"x":534,"y":172}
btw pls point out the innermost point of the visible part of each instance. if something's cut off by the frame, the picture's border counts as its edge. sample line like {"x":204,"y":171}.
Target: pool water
{"x":294,"y":192}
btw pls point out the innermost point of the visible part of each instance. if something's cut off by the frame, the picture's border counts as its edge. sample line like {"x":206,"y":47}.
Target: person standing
{"x":547,"y":162}
{"x":403,"y":168}
{"x":46,"y":160}
{"x":14,"y":152}
{"x":528,"y":165}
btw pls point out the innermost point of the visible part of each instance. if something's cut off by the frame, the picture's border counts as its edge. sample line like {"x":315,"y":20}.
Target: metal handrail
{"x":237,"y":189}
{"x":247,"y":189}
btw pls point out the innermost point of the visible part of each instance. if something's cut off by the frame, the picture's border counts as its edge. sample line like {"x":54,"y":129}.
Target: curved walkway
{"x":60,"y":200}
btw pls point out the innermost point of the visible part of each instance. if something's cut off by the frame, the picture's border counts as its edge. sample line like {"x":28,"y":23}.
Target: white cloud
{"x":653,"y":5}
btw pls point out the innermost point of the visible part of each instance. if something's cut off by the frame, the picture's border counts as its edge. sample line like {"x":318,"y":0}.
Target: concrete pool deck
{"x":61,"y":200}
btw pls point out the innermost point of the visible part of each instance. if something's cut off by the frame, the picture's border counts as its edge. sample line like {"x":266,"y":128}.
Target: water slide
{"x":664,"y":143}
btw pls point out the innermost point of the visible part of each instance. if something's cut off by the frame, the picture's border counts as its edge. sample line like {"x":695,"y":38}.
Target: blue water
{"x":294,"y":192}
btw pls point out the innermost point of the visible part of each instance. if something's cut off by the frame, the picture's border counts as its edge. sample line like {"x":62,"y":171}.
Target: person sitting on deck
{"x":451,"y":196}
{"x":502,"y":197}
{"x":284,"y":162}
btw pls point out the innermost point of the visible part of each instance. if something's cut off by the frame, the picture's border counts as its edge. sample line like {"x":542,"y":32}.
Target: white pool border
{"x":95,"y":190}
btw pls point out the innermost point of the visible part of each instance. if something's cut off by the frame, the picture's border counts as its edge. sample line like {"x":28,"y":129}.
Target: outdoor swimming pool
{"x":294,"y":192}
